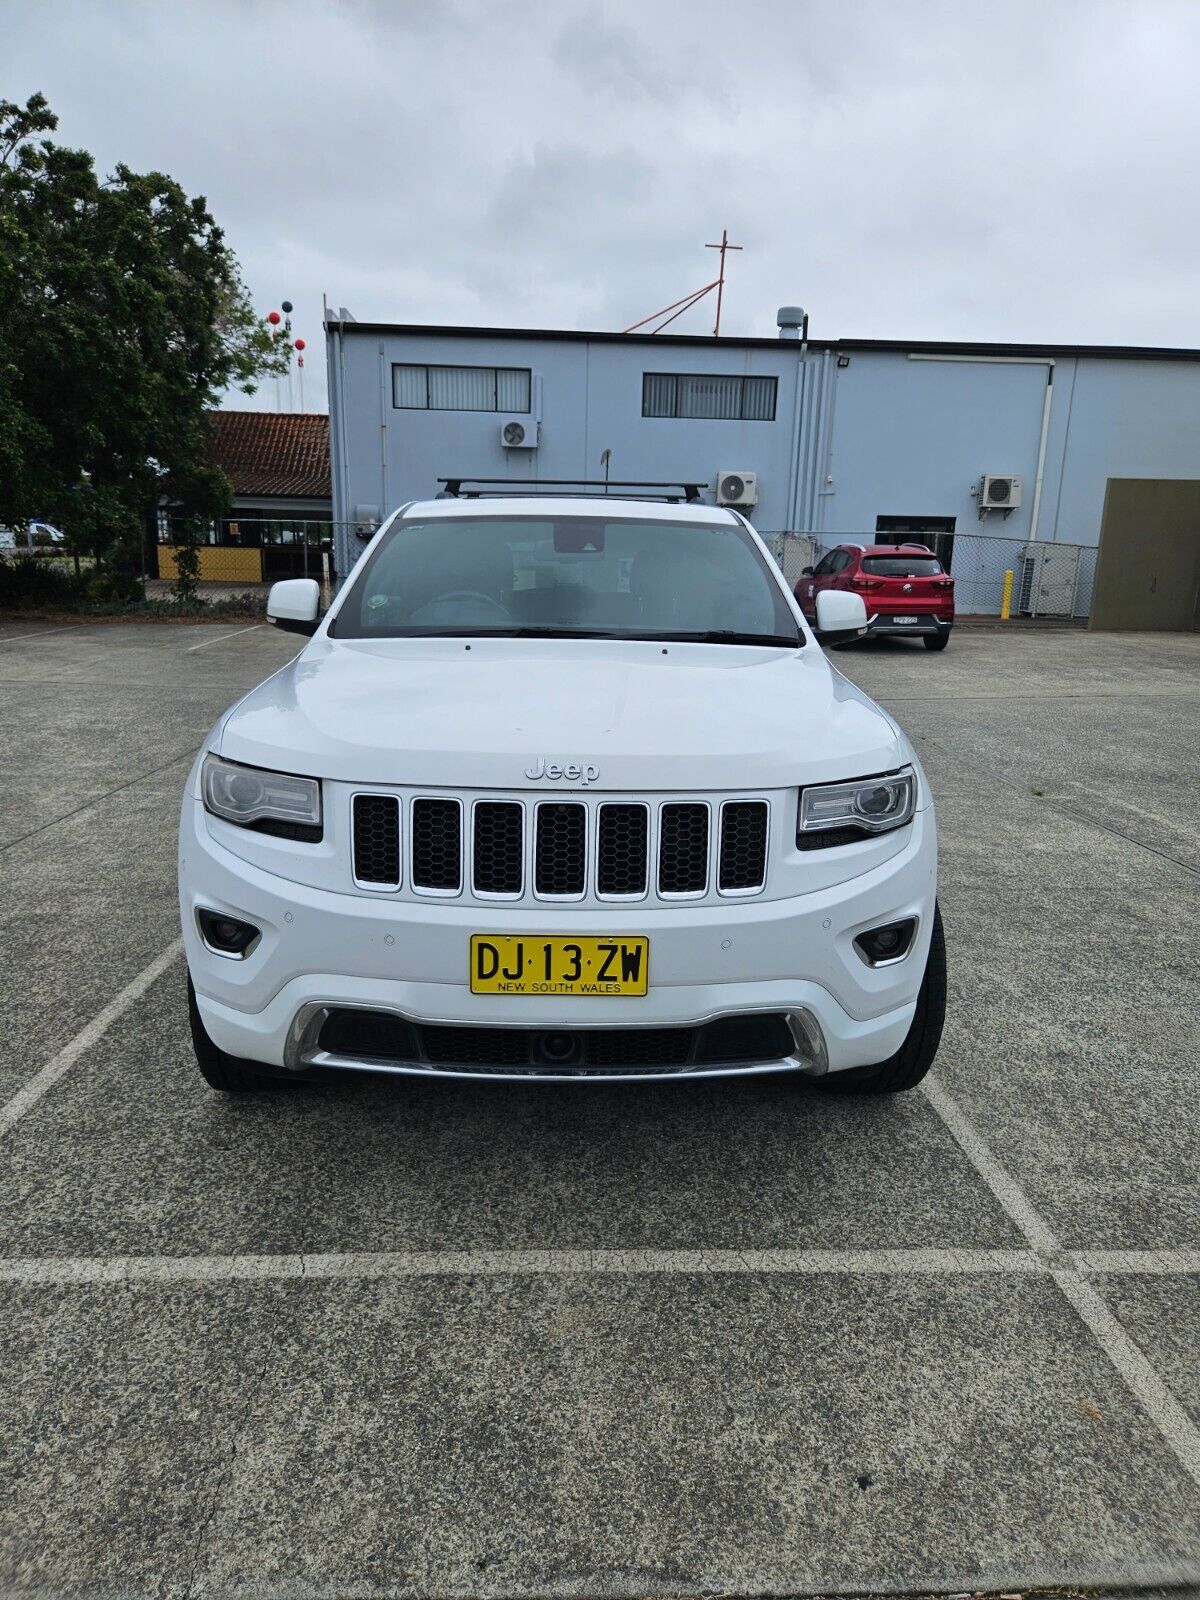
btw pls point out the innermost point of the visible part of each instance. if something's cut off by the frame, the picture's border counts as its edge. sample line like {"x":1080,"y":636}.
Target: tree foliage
{"x":123,"y":317}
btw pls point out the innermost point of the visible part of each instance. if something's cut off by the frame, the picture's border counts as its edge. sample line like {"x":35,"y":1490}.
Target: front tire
{"x":936,"y":641}
{"x":229,"y":1074}
{"x":912,"y":1061}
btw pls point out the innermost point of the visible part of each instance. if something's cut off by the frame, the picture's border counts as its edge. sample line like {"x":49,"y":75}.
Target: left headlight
{"x":870,"y":805}
{"x":273,"y":802}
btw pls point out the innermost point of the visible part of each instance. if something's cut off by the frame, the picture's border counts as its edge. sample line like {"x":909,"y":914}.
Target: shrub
{"x":249,"y":605}
{"x":107,"y":586}
{"x":28,"y":582}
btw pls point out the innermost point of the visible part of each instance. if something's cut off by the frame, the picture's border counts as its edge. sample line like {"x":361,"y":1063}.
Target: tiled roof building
{"x":275,"y":460}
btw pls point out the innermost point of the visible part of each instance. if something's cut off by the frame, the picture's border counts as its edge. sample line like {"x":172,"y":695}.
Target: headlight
{"x":870,"y":805}
{"x":274,"y":802}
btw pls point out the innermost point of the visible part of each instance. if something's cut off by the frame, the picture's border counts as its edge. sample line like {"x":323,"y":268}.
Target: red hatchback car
{"x":903,"y":586}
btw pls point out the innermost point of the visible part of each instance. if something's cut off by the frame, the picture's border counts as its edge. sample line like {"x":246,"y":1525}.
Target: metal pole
{"x":722,"y":247}
{"x":721,"y":281}
{"x":1040,"y":471}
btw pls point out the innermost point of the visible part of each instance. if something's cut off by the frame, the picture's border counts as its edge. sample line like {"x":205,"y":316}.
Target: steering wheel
{"x":454,"y":595}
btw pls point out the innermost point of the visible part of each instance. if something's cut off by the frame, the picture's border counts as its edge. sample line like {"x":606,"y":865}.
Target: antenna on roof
{"x":678,"y":307}
{"x":722,"y":247}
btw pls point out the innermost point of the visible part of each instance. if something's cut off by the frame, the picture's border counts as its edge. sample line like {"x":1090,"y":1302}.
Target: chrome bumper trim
{"x":302,"y":1052}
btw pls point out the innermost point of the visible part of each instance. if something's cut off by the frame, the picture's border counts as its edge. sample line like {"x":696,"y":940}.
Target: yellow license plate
{"x":537,"y":963}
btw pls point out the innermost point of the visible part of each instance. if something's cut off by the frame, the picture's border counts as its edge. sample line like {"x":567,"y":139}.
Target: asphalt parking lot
{"x":422,"y":1338}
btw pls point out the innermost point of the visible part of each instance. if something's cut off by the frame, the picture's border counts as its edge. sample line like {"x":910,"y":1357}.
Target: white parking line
{"x":1139,"y":1376}
{"x":18,"y":638}
{"x":45,"y":1079}
{"x":205,"y":644}
{"x":364,"y":1265}
{"x":1006,"y":1189}
{"x":1172,"y":1421}
{"x":493,"y":1263}
{"x":1105,"y":1262}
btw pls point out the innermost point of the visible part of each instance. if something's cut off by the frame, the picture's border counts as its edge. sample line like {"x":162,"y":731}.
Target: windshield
{"x":902,"y":566}
{"x":587,"y":577}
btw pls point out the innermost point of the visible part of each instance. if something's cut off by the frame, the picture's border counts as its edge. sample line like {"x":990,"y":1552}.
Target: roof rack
{"x":593,"y":488}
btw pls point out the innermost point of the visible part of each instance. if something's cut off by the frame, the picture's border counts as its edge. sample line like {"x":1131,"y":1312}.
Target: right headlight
{"x":868,"y":805}
{"x":275,"y":802}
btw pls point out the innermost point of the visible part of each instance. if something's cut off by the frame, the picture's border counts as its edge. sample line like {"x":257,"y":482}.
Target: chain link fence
{"x":1049,"y":579}
{"x":793,"y":552}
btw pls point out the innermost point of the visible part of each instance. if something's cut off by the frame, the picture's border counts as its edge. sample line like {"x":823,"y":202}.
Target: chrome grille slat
{"x":376,"y":840}
{"x":742,"y":863}
{"x":622,"y":850}
{"x":683,"y":848}
{"x":560,"y":850}
{"x":437,"y":846}
{"x":498,"y":848}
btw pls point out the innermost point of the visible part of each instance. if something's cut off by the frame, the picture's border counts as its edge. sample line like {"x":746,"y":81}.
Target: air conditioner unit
{"x":737,"y":488}
{"x":519,"y":433}
{"x":1049,"y":579}
{"x":999,"y":491}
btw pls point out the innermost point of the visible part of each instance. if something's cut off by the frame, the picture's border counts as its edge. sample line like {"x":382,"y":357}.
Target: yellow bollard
{"x":1006,"y":602}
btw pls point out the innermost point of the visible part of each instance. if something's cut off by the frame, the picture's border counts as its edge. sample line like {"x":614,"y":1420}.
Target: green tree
{"x":124,"y":318}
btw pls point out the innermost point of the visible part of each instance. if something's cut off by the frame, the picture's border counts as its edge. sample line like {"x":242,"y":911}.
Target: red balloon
{"x":273,"y":317}
{"x":300,"y":344}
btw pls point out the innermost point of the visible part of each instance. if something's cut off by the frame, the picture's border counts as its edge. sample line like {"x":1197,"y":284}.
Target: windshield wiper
{"x":507,"y":633}
{"x":732,"y":636}
{"x":715,"y":636}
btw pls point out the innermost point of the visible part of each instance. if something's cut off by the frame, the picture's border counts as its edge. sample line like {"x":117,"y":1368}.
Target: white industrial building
{"x":984,"y":449}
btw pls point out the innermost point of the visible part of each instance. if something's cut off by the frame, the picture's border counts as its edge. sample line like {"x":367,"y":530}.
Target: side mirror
{"x":806,"y":572}
{"x":840,"y":615}
{"x":295,"y":604}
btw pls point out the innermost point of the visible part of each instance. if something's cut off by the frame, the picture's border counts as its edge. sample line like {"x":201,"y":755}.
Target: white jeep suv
{"x":561,"y":788}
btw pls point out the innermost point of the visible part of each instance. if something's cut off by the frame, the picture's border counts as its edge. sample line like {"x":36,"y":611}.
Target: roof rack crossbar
{"x":476,"y":488}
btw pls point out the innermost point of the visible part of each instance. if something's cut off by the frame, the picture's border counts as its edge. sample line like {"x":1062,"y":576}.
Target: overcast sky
{"x":995,"y":170}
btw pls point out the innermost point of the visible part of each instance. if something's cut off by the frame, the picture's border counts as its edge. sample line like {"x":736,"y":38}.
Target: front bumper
{"x":320,"y":950}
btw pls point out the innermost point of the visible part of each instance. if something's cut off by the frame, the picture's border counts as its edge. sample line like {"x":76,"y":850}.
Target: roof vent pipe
{"x":791,"y":320}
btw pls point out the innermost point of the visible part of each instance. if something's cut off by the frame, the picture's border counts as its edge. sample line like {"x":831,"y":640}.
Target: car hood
{"x":479,"y":713}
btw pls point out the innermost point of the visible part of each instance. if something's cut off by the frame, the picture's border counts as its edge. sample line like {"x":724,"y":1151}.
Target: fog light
{"x":879,"y":947}
{"x":228,"y":936}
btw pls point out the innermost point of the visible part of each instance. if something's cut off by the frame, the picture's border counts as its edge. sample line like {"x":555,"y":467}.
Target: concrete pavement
{"x":386,"y":1338}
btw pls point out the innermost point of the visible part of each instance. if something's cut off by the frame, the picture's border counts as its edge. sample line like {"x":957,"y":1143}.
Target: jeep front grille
{"x":561,"y":849}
